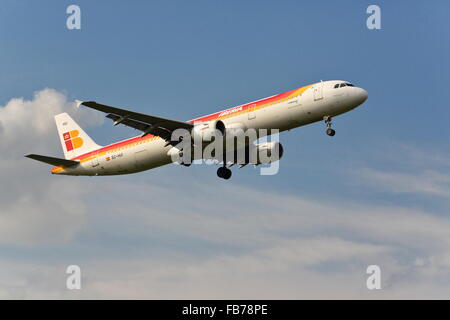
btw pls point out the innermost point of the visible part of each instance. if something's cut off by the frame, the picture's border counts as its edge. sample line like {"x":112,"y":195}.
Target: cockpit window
{"x":343,"y":84}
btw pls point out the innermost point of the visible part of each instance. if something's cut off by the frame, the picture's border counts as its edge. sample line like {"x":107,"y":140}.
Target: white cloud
{"x":407,"y":170}
{"x":267,"y":246}
{"x":428,"y":182}
{"x":34,"y":207}
{"x":284,"y":246}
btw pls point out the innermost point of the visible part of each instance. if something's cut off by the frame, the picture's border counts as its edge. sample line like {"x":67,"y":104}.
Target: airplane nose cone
{"x":362,"y":95}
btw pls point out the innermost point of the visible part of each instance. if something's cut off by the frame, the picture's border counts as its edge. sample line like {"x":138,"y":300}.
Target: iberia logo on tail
{"x":72,"y":140}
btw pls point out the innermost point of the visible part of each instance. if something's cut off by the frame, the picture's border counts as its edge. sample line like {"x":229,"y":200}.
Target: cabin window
{"x":342,"y":85}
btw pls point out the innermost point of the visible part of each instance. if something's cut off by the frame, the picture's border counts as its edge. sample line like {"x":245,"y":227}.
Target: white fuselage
{"x":314,"y":103}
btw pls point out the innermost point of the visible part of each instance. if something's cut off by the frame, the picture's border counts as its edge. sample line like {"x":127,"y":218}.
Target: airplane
{"x":319,"y":101}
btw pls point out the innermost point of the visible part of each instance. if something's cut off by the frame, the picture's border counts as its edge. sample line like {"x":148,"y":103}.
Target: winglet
{"x":78,"y":103}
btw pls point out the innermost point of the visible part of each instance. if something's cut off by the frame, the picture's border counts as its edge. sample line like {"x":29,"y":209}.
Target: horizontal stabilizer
{"x":53,"y":161}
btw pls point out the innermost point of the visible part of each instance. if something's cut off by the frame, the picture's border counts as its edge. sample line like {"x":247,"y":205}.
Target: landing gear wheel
{"x":220,"y":172}
{"x":224,"y":173}
{"x":227,"y":174}
{"x":331,"y":132}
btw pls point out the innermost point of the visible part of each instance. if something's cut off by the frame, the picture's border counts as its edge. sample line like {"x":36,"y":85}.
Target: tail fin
{"x":74,"y":140}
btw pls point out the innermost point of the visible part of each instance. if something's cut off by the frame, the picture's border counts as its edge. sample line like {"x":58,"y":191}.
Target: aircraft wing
{"x":53,"y":161}
{"x":146,"y":123}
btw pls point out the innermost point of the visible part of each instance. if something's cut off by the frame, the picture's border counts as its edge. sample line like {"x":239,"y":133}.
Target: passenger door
{"x":318,"y":91}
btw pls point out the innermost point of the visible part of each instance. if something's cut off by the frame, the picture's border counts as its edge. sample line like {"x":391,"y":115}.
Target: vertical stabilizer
{"x":74,"y":140}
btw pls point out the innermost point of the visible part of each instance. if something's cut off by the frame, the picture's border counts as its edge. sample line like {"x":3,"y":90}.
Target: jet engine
{"x":262,"y":153}
{"x":268,"y":152}
{"x":204,"y":131}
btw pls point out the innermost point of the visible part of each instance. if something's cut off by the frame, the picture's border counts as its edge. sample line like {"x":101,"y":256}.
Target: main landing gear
{"x":224,"y":172}
{"x":329,"y":131}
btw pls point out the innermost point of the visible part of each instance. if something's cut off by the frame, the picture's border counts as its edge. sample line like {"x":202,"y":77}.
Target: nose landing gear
{"x":329,"y":131}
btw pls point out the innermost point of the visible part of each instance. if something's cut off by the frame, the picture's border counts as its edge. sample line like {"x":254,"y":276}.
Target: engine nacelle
{"x":266,"y":152}
{"x":235,"y":129}
{"x":256,"y":154}
{"x":204,"y":131}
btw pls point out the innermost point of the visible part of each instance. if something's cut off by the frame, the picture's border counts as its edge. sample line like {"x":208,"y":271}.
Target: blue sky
{"x":181,"y":60}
